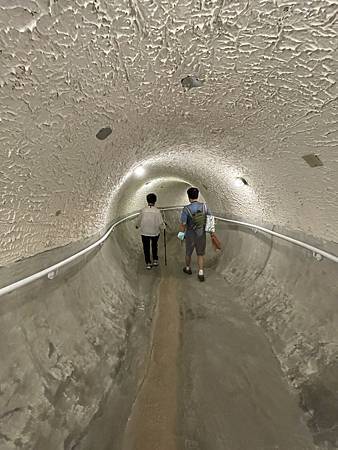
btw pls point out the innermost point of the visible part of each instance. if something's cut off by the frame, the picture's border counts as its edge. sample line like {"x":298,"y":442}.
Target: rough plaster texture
{"x":71,"y":68}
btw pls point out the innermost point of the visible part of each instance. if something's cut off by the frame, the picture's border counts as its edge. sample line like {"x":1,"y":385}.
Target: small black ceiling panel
{"x":312,"y":160}
{"x":104,"y":133}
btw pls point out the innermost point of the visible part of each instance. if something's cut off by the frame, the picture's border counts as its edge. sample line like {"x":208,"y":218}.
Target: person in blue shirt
{"x":192,"y":229}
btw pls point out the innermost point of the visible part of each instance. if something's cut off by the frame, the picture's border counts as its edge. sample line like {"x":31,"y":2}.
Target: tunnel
{"x":106,"y":101}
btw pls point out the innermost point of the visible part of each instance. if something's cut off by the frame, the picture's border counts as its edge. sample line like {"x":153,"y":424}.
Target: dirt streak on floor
{"x":152,"y":424}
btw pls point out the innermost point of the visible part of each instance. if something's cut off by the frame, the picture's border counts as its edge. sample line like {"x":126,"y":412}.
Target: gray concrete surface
{"x":257,"y":339}
{"x":62,"y":346}
{"x":234,"y":393}
{"x":293,"y":298}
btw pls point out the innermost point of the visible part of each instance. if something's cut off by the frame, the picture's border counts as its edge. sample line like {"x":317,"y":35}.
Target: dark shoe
{"x":148,"y":266}
{"x":201,"y":277}
{"x":187,"y":271}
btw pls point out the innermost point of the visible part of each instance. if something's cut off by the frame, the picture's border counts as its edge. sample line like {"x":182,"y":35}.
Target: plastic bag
{"x":210,"y":224}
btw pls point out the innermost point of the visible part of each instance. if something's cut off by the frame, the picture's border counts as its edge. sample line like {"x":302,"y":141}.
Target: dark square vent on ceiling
{"x":312,"y":160}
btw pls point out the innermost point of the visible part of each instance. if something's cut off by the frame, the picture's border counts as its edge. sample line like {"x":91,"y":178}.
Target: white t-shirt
{"x":150,"y":221}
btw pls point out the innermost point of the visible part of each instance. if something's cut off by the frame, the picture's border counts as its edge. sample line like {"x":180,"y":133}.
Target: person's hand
{"x":181,"y":235}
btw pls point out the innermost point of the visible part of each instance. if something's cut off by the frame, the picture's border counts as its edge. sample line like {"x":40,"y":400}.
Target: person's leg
{"x":154,"y":245}
{"x":200,"y":262}
{"x":146,"y":249}
{"x":201,"y":243}
{"x":189,"y":248}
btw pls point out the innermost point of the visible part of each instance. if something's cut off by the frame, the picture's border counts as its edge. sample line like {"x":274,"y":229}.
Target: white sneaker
{"x":148,"y":266}
{"x":155,"y":263}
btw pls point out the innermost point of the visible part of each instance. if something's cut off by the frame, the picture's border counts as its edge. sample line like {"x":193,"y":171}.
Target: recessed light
{"x":139,"y":171}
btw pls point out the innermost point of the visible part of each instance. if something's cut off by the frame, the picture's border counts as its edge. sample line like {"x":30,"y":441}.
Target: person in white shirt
{"x":150,"y":222}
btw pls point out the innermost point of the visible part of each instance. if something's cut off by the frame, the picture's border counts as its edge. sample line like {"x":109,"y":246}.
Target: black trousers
{"x":146,"y":240}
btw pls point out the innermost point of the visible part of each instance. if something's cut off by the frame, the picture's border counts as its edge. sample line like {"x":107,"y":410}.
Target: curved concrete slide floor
{"x":79,"y":366}
{"x":231,"y":392}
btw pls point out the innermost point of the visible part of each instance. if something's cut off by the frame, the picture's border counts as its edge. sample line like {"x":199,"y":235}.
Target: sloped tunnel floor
{"x":209,"y":379}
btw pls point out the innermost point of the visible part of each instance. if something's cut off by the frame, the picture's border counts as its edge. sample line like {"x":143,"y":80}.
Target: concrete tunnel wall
{"x":293,"y":297}
{"x":73,"y":349}
{"x":62,"y":348}
{"x":69,"y":69}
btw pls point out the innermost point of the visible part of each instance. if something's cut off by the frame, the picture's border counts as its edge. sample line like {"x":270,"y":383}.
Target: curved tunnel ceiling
{"x":91,"y":89}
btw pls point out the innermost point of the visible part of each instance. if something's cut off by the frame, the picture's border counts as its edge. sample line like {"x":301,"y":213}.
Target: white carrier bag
{"x":210,"y":224}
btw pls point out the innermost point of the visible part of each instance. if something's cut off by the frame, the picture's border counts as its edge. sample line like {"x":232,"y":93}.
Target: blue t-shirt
{"x":193,"y":207}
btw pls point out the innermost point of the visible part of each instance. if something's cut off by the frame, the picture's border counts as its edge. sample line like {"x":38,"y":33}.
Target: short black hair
{"x":151,"y":198}
{"x":193,"y":193}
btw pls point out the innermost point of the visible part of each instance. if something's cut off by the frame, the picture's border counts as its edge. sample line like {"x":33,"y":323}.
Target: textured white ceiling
{"x":71,"y":67}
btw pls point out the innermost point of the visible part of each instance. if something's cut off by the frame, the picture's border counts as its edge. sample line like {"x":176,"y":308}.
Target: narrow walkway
{"x":152,"y":424}
{"x":212,"y":381}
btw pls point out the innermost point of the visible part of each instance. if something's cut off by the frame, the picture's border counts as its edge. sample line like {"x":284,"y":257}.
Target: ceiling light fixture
{"x":139,"y":171}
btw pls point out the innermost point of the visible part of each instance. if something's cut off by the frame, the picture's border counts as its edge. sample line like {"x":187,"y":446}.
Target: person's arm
{"x":161,"y":222}
{"x":209,"y":213}
{"x":183,"y":221}
{"x":183,"y":225}
{"x":138,"y":220}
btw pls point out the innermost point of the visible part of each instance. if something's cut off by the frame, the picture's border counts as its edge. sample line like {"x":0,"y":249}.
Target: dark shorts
{"x":195,"y":240}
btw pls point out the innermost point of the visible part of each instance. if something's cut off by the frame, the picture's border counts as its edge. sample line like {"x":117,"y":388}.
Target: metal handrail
{"x":49,"y":271}
{"x":315,"y":250}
